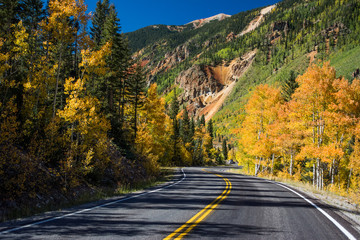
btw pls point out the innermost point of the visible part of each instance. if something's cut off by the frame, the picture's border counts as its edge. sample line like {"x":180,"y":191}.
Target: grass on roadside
{"x":94,"y":194}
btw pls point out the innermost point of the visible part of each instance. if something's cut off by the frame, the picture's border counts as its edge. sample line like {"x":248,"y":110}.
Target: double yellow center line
{"x":200,"y":216}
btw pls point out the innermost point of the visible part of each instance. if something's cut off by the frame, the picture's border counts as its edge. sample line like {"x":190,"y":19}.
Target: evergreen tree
{"x":289,"y":86}
{"x":8,"y":16}
{"x":174,"y":110}
{"x":114,"y":88}
{"x":186,"y":128}
{"x":225,"y":149}
{"x":210,"y":130}
{"x":202,"y":120}
{"x":31,"y":12}
{"x":136,"y":94}
{"x":192,"y":128}
{"x":98,"y":22}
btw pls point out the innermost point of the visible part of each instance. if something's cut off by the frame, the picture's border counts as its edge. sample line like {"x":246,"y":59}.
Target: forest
{"x":77,"y":112}
{"x":75,"y":109}
{"x":308,"y":131}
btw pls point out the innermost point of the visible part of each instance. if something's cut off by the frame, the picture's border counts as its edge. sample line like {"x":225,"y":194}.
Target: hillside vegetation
{"x":292,"y":37}
{"x":75,"y":111}
{"x":91,"y":109}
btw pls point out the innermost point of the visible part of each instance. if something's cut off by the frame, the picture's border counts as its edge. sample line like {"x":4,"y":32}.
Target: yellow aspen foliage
{"x":36,"y":93}
{"x":60,"y":12}
{"x":4,"y":57}
{"x":21,"y":44}
{"x":82,"y":113}
{"x":95,"y":61}
{"x":355,"y":156}
{"x":153,"y":137}
{"x":87,"y":128}
{"x":260,"y":114}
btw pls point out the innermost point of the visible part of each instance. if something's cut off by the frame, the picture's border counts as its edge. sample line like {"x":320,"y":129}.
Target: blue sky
{"x":141,"y":13}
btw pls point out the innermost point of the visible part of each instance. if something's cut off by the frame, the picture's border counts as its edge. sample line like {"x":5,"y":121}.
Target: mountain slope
{"x":286,"y":38}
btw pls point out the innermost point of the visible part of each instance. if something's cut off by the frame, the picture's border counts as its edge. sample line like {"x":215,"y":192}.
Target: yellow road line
{"x":200,"y":216}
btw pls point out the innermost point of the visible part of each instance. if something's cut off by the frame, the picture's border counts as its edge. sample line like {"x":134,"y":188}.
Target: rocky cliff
{"x":205,"y":88}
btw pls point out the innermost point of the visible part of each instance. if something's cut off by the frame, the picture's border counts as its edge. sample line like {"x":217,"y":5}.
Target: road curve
{"x":223,"y":205}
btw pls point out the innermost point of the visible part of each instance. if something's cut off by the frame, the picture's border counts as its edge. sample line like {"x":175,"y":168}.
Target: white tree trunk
{"x":291,"y":163}
{"x":314,"y":174}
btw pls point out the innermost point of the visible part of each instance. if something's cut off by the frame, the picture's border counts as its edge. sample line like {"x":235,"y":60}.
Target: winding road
{"x":202,"y":203}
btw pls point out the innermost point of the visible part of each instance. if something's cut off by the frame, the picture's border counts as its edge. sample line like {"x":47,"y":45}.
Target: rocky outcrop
{"x":176,"y":28}
{"x":231,"y":36}
{"x":196,"y":82}
{"x":277,"y":30}
{"x":335,"y":30}
{"x":170,"y":59}
{"x":257,"y":20}
{"x":202,"y":22}
{"x":206,"y":86}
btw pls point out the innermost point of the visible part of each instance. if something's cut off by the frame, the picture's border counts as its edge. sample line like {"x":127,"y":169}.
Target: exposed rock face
{"x":176,"y":28}
{"x":231,"y":36}
{"x":203,"y":85}
{"x":202,"y":22}
{"x":170,"y":59}
{"x":277,"y":29}
{"x":257,"y":20}
{"x":335,"y":30}
{"x":196,"y":83}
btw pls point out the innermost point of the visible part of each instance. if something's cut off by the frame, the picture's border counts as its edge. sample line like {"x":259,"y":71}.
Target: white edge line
{"x":337,"y":224}
{"x":89,"y":209}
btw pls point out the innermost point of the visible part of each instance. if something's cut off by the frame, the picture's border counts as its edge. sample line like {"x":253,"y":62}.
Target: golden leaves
{"x":95,"y":61}
{"x":61,"y":11}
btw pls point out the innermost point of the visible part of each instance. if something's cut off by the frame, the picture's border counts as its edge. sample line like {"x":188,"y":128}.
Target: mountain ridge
{"x":287,"y":35}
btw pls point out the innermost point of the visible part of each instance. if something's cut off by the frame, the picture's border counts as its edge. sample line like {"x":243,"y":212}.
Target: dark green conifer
{"x":225,"y":149}
{"x":289,"y":86}
{"x":136,"y":94}
{"x":98,"y":21}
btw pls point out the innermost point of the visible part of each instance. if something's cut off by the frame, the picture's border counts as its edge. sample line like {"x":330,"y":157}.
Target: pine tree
{"x":186,"y":128}
{"x":225,"y":149}
{"x":202,"y":120}
{"x":136,"y":94}
{"x":210,"y":128}
{"x":112,"y":88}
{"x":192,"y":128}
{"x":289,"y":86}
{"x":174,"y":110}
{"x":31,"y":12}
{"x":98,"y":22}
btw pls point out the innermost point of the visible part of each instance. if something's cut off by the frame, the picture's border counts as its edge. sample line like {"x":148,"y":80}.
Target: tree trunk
{"x":57,"y":85}
{"x":135,"y":117}
{"x":291,"y":163}
{"x":348,"y":184}
{"x":318,"y":173}
{"x":272,"y":164}
{"x":332,"y":171}
{"x":322,"y":179}
{"x":314,"y":174}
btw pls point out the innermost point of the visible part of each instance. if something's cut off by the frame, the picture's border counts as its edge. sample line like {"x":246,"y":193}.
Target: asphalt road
{"x":206,"y":205}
